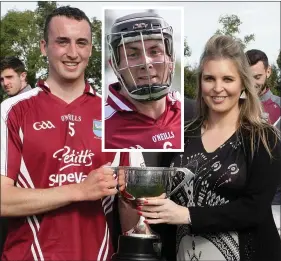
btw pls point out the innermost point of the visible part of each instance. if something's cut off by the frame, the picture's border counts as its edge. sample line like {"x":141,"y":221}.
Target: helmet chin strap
{"x":145,"y":92}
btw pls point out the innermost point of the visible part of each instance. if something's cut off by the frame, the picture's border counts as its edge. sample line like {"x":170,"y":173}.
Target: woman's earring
{"x":243,"y":95}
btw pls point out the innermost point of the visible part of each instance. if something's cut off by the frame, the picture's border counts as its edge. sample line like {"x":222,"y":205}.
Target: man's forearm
{"x":24,"y":202}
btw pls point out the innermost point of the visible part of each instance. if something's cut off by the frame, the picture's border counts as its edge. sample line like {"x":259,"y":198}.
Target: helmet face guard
{"x":141,"y":27}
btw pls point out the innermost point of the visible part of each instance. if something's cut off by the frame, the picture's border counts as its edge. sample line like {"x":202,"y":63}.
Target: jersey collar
{"x":266,"y":96}
{"x":88,"y":88}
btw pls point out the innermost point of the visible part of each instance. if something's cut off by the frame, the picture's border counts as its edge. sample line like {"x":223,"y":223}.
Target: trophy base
{"x":138,"y":249}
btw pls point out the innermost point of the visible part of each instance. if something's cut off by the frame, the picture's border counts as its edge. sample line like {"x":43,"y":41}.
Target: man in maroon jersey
{"x":261,"y":72}
{"x":141,"y":111}
{"x":272,"y":107}
{"x":53,"y":184}
{"x":13,"y":81}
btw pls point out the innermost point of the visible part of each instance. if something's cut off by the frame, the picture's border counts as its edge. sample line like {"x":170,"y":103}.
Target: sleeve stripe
{"x":275,"y":123}
{"x":6,"y":107}
{"x":108,"y":112}
{"x":118,"y":102}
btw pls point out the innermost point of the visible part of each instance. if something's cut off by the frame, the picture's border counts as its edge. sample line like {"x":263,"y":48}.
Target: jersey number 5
{"x":71,"y":131}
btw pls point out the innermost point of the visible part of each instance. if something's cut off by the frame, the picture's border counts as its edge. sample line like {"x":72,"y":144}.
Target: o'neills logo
{"x":70,"y":117}
{"x":72,"y":157}
{"x":61,"y":179}
{"x":163,"y":136}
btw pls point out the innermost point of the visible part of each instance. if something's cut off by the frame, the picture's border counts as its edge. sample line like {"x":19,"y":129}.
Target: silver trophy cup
{"x":145,"y":182}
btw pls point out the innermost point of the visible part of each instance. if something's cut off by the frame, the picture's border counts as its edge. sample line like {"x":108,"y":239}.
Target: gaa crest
{"x":97,"y":128}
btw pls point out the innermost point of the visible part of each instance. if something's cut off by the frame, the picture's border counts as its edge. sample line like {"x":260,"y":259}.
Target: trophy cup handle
{"x":188,"y":175}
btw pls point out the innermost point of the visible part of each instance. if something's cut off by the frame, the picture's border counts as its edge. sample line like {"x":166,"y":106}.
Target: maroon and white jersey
{"x":46,"y":143}
{"x":126,"y":128}
{"x":272,"y":108}
{"x":272,"y":112}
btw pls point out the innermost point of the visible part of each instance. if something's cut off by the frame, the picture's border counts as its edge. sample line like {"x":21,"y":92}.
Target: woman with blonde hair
{"x":224,"y":213}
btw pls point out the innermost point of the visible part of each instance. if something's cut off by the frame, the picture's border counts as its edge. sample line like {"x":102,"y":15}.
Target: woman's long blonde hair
{"x":250,"y":118}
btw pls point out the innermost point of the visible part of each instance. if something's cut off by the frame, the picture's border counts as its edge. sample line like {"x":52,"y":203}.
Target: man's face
{"x":153,"y":67}
{"x":68,"y":49}
{"x":260,"y":74}
{"x":12,"y":82}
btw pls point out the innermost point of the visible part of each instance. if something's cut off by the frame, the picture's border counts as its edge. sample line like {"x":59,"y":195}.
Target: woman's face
{"x":221,"y":85}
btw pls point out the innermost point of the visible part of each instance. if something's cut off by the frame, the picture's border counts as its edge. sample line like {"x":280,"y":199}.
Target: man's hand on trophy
{"x":162,"y":210}
{"x":122,"y":186}
{"x":99,"y":183}
{"x":121,"y":179}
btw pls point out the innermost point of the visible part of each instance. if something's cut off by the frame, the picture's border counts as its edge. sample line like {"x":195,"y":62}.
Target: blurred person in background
{"x":13,"y":81}
{"x":261,"y":72}
{"x":13,"y":76}
{"x":271,"y":105}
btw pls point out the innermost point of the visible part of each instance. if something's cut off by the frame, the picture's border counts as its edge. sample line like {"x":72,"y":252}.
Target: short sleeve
{"x":11,"y":143}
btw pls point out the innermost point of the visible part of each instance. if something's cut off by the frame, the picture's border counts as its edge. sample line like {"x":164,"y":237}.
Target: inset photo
{"x":143,"y":79}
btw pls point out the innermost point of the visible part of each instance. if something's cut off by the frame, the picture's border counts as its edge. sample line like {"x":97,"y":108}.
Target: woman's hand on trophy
{"x":162,"y":210}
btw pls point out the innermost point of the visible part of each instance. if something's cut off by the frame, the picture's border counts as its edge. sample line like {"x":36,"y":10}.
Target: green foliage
{"x":19,"y":37}
{"x":230,"y":26}
{"x":93,"y":70}
{"x":21,"y":33}
{"x":273,"y":79}
{"x":3,"y":95}
{"x":278,"y":87}
{"x":44,"y":8}
{"x":279,"y":60}
{"x":187,"y":51}
{"x":190,"y":82}
{"x":189,"y":74}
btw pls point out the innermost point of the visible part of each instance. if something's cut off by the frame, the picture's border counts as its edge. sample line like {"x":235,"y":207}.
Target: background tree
{"x":190,"y":81}
{"x":279,"y":60}
{"x":278,"y":87}
{"x":3,"y":95}
{"x":19,"y":37}
{"x":229,"y":26}
{"x":93,"y":70}
{"x":189,"y":73}
{"x":187,"y":50}
{"x":44,"y":8}
{"x":273,"y":80}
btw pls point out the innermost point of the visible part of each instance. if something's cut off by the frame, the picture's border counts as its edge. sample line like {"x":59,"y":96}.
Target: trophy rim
{"x":147,"y":168}
{"x":142,"y":235}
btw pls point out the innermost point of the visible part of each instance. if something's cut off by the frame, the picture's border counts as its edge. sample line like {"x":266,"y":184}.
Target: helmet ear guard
{"x":141,"y":27}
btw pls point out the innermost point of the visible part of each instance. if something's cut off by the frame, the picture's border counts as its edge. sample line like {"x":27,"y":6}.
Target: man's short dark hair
{"x":12,"y":62}
{"x":67,"y":11}
{"x":254,"y":56}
